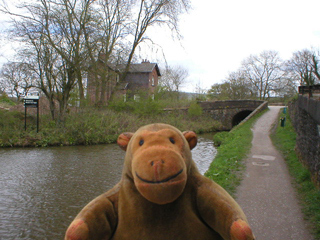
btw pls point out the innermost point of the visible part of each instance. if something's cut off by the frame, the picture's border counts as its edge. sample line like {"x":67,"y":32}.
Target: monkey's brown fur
{"x":161,"y":195}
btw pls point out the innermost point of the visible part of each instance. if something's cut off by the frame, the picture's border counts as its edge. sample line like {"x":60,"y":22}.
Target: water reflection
{"x":204,"y":153}
{"x":42,"y":190}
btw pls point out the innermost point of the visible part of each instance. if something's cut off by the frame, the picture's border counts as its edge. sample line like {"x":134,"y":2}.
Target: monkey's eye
{"x":172,"y":140}
{"x":141,"y":142}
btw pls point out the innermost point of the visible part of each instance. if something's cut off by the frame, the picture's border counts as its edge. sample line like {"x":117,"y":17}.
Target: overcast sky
{"x":218,"y":35}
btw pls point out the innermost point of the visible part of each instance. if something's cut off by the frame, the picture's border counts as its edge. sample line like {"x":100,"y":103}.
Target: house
{"x":102,"y":79}
{"x":141,"y":78}
{"x":105,"y":83}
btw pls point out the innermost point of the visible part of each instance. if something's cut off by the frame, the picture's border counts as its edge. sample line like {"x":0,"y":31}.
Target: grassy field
{"x":285,"y":140}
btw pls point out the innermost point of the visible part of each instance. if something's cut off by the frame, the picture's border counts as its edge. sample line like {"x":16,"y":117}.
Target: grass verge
{"x":228,"y":165}
{"x":285,"y":140}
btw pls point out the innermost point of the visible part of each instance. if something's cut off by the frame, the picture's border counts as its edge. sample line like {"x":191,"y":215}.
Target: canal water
{"x":43,"y":189}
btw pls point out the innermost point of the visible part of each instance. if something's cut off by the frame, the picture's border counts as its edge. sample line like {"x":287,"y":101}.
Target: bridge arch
{"x":231,"y":112}
{"x":238,"y":117}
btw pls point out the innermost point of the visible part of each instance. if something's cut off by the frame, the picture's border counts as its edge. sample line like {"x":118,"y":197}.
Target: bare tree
{"x":200,"y":91}
{"x":18,"y":78}
{"x":63,"y":38}
{"x":301,"y":67}
{"x":43,"y":59}
{"x":151,"y":13}
{"x":235,"y":87}
{"x":122,"y":27}
{"x":215,"y":92}
{"x":315,"y":65}
{"x":239,"y":86}
{"x":52,"y":34}
{"x":173,"y":78}
{"x":264,"y":72}
{"x":103,"y":37}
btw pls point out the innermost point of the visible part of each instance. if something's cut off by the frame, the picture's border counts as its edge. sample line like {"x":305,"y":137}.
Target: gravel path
{"x":266,"y":194}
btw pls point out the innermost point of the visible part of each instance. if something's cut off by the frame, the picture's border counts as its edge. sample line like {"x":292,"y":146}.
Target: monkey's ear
{"x":191,"y":138}
{"x":123,"y":140}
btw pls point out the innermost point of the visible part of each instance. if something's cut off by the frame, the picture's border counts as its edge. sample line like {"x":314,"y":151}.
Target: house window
{"x":136,"y":97}
{"x":152,"y":81}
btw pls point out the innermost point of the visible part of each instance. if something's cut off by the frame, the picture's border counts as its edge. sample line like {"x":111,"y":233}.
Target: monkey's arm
{"x":97,"y":220}
{"x":221,"y":212}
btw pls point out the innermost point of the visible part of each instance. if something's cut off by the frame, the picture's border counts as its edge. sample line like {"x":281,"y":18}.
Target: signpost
{"x":31,"y":102}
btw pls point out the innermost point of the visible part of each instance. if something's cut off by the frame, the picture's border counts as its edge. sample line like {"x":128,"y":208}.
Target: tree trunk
{"x":81,"y":89}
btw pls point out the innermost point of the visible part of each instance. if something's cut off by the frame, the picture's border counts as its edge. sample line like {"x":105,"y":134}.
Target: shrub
{"x":119,"y":105}
{"x":4,"y":99}
{"x":93,"y":126}
{"x":147,"y":107}
{"x":195,"y":110}
{"x":220,"y":138}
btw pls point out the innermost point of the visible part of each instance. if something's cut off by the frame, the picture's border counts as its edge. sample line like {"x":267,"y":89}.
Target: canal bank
{"x":90,"y":126}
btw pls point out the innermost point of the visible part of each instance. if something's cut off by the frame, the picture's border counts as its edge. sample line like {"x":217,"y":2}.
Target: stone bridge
{"x":231,"y":112}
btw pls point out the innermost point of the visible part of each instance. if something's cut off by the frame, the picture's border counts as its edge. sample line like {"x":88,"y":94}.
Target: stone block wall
{"x":259,"y":109}
{"x":303,"y":113}
{"x":225,"y":111}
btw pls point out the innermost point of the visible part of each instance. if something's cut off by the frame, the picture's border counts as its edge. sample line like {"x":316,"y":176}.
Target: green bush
{"x":195,"y":110}
{"x":91,"y":125}
{"x":220,"y":138}
{"x":4,"y":99}
{"x":147,"y":107}
{"x":119,"y":105}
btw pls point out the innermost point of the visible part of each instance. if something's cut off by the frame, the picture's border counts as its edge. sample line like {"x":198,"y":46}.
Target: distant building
{"x":141,"y":77}
{"x":104,"y":81}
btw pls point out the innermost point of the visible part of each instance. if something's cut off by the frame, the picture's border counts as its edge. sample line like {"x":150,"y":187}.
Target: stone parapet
{"x":305,"y":116}
{"x":311,"y":106}
{"x":310,"y":91}
{"x":227,"y":104}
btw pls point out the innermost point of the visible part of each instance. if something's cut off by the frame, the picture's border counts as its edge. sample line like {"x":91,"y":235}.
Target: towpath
{"x":266,"y":194}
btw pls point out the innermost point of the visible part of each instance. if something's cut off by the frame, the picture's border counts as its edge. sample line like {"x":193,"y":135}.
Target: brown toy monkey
{"x":161,"y":195}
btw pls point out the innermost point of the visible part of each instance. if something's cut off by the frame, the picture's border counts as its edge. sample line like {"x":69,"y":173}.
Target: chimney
{"x":145,"y":61}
